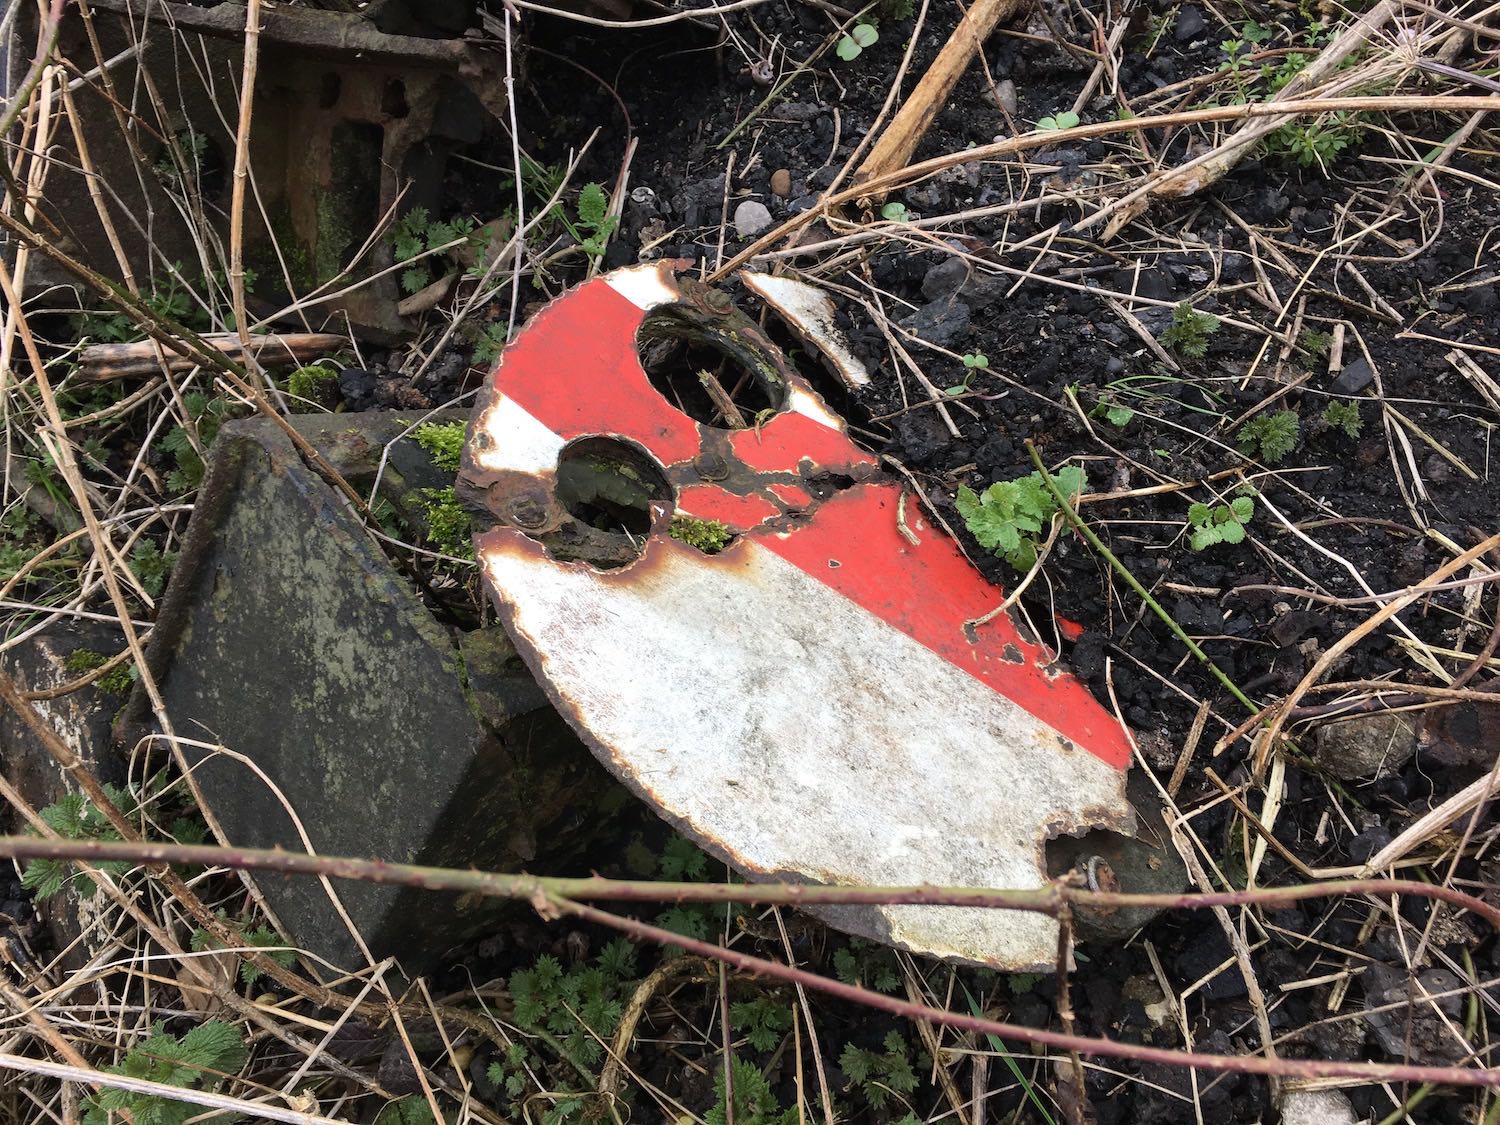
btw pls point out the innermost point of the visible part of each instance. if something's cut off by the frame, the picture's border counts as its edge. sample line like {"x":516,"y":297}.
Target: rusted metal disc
{"x":810,"y":701}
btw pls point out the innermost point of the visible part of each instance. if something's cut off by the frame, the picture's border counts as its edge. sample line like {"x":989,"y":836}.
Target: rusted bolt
{"x":1101,"y":876}
{"x":711,"y":466}
{"x":527,"y":512}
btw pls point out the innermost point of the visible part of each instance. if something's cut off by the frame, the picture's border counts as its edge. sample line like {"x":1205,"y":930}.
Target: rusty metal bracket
{"x":795,"y":689}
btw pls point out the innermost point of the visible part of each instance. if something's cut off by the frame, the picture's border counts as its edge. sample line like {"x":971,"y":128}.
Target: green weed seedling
{"x":860,"y":36}
{"x":595,"y":223}
{"x":1314,"y":342}
{"x":867,"y":965}
{"x":1190,"y":331}
{"x":258,"y":937}
{"x":1007,"y":517}
{"x":151,"y":566}
{"x":416,"y":233}
{"x":762,"y":1021}
{"x":974,"y":362}
{"x":754,"y":1101}
{"x":75,"y":817}
{"x":1274,"y":435}
{"x":489,"y":342}
{"x":895,"y":212}
{"x":206,"y":415}
{"x":1064,"y":120}
{"x":1222,"y":523}
{"x":198,"y":1059}
{"x":879,"y":1074}
{"x":1344,"y":416}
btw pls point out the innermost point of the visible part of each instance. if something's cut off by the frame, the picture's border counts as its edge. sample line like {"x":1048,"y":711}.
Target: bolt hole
{"x":702,"y":376}
{"x":612,"y":487}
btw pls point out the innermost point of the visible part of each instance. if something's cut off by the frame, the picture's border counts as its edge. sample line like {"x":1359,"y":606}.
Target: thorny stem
{"x":1124,"y":572}
{"x":553,"y":897}
{"x":1049,"y":899}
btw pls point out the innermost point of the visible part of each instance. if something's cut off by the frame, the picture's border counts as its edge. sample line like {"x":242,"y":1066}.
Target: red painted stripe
{"x":576,"y":371}
{"x":710,"y":502}
{"x":927,"y":592}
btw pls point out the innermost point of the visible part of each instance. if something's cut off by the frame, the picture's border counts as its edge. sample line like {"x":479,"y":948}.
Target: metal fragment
{"x":806,"y":701}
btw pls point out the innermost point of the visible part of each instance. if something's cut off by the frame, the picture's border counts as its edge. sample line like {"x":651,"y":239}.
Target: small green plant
{"x":708,"y":536}
{"x":75,"y":817}
{"x":199,"y":1058}
{"x":259,"y":937}
{"x":895,"y":212}
{"x":1064,"y":120}
{"x":1318,"y":141}
{"x":312,"y":385}
{"x":1113,"y":412}
{"x":880,"y":1073}
{"x":974,"y":362}
{"x":489,"y":342}
{"x":1344,"y":416}
{"x":417,"y":234}
{"x":206,"y":415}
{"x":1007,"y":517}
{"x":860,"y":36}
{"x":1222,"y":523}
{"x":444,"y":442}
{"x":448,"y":525}
{"x":763,"y":1021}
{"x":1190,"y":331}
{"x":1315,"y":343}
{"x":754,"y":1101}
{"x":151,"y":566}
{"x":868,"y":965}
{"x":595,"y":223}
{"x":1274,"y":435}
{"x":579,"y":1006}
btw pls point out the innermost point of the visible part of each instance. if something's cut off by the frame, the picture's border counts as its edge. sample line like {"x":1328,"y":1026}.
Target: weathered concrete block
{"x":82,"y":720}
{"x":288,"y":636}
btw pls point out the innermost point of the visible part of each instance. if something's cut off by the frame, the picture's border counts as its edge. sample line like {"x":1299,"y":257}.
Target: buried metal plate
{"x":810,"y":701}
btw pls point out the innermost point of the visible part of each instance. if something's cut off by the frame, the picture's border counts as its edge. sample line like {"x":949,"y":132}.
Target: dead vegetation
{"x":163,"y":276}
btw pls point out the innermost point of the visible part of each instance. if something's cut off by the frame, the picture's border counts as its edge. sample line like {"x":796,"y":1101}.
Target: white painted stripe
{"x":517,"y":440}
{"x":811,"y":314}
{"x":799,"y":401}
{"x":762,"y":708}
{"x":642,"y":286}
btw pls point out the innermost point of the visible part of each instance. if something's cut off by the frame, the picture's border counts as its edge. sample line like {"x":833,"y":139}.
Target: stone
{"x":1005,"y":96}
{"x":1316,"y":1107}
{"x":288,"y":636}
{"x":781,"y":183}
{"x":1354,"y":377}
{"x":82,"y":720}
{"x":1190,"y":24}
{"x":1365,"y":747}
{"x":751,"y":218}
{"x":943,"y":323}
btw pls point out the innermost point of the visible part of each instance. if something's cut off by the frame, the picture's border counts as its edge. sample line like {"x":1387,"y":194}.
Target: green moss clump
{"x":448,"y":525}
{"x":444,"y":443}
{"x":117,"y":681}
{"x":708,"y":536}
{"x":312,"y":384}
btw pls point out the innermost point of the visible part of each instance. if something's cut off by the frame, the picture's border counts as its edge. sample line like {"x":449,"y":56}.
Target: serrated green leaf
{"x":1198,"y":514}
{"x":593,"y":205}
{"x":1243,"y":508}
